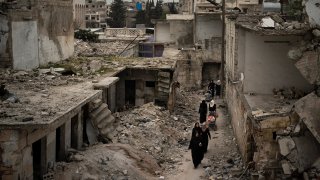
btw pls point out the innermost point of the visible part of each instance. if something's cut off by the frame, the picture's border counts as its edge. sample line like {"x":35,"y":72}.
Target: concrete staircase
{"x":163,"y":87}
{"x":102,"y":119}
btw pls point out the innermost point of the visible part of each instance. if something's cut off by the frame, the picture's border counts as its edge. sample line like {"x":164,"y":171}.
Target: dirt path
{"x":221,"y":148}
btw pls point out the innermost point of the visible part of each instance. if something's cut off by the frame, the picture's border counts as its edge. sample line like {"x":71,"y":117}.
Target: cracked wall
{"x":39,"y":32}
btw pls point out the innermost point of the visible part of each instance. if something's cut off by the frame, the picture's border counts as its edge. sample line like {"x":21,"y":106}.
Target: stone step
{"x":107,"y":130}
{"x":102,"y":116}
{"x":96,"y":112}
{"x":106,"y":122}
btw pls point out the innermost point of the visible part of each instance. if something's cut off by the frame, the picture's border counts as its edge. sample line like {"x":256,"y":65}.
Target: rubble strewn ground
{"x":163,"y":139}
{"x":101,"y":49}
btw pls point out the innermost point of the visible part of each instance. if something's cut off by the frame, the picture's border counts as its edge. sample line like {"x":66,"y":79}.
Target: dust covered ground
{"x":152,"y":144}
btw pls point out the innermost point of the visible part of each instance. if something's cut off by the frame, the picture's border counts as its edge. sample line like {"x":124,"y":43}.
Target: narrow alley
{"x":222,"y":161}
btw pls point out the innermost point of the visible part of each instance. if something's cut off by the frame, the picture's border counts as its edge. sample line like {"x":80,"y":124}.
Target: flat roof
{"x":253,"y":23}
{"x":42,"y":104}
{"x":263,"y":106}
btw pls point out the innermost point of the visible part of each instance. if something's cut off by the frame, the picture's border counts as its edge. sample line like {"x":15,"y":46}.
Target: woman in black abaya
{"x":196,"y":149}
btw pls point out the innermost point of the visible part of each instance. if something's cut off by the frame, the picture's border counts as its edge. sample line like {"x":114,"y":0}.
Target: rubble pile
{"x":100,"y":49}
{"x":227,"y":166}
{"x":30,"y":96}
{"x":114,"y":161}
{"x":153,"y":130}
{"x":288,"y":93}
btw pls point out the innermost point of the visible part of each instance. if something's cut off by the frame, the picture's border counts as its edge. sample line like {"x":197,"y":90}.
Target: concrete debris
{"x":295,"y":54}
{"x":286,"y":145}
{"x":100,"y":49}
{"x":286,"y":167}
{"x":267,"y":22}
{"x":316,"y":33}
{"x":288,"y":93}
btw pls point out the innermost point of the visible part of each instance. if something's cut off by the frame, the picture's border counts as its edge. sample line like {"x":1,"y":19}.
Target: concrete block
{"x":286,"y":167}
{"x":51,"y":147}
{"x":68,"y":134}
{"x":286,"y":145}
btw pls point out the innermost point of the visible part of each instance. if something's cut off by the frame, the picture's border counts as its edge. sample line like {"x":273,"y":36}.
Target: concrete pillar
{"x":112,"y":98}
{"x":51,"y":147}
{"x":68,"y":135}
{"x":76,"y":131}
{"x":139,"y":92}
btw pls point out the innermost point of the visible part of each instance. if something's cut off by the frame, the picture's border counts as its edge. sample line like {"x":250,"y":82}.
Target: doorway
{"x":60,"y":143}
{"x":130,"y":92}
{"x":39,"y":158}
{"x":74,"y":132}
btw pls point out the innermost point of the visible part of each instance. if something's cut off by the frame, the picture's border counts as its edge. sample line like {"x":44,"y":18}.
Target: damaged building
{"x":264,"y":88}
{"x":198,"y":36}
{"x":34,"y":33}
{"x":49,"y":122}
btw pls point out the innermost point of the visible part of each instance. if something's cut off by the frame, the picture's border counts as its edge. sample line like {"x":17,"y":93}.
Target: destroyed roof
{"x":279,"y":27}
{"x":264,"y":106}
{"x":43,"y":104}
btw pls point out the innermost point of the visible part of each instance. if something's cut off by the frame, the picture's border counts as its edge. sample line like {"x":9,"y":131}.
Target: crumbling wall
{"x":16,"y":155}
{"x":239,"y":111}
{"x":181,"y":32}
{"x":25,"y":44}
{"x":55,"y":23}
{"x":266,"y":154}
{"x":5,"y":50}
{"x":267,"y":65}
{"x":143,"y":93}
{"x":162,"y":32}
{"x":178,"y":32}
{"x":37,"y":32}
{"x":189,"y":70}
{"x":208,"y":32}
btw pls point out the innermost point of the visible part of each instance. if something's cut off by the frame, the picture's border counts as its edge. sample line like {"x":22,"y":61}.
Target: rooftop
{"x":263,"y":106}
{"x":269,"y":24}
{"x":46,"y":97}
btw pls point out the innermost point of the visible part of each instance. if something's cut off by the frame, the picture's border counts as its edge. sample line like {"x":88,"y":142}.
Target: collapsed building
{"x":274,"y":122}
{"x":34,"y":33}
{"x":54,"y":116}
{"x":199,"y":37}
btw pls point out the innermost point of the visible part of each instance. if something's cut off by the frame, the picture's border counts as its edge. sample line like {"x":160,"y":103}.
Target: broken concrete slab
{"x":307,"y":65}
{"x":308,"y":110}
{"x":286,"y":167}
{"x":286,"y":145}
{"x":308,"y":151}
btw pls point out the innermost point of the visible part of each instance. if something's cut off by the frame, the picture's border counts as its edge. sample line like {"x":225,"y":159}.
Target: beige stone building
{"x":35,"y":33}
{"x":96,"y":14}
{"x":262,"y":86}
{"x":79,"y":11}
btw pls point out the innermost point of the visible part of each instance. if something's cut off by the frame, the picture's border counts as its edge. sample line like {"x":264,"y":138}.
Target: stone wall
{"x":267,"y":65}
{"x":208,"y":33}
{"x":5,"y":48}
{"x":188,"y":71}
{"x":143,"y":94}
{"x":38,"y":32}
{"x":242,"y":127}
{"x":177,"y":32}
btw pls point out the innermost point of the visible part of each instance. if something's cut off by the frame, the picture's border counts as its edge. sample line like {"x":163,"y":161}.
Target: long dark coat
{"x":205,"y":139}
{"x":203,"y":110}
{"x":196,"y":150}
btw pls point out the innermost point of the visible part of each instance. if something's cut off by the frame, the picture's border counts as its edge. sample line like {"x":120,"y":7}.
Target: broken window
{"x":206,"y":44}
{"x":150,"y":84}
